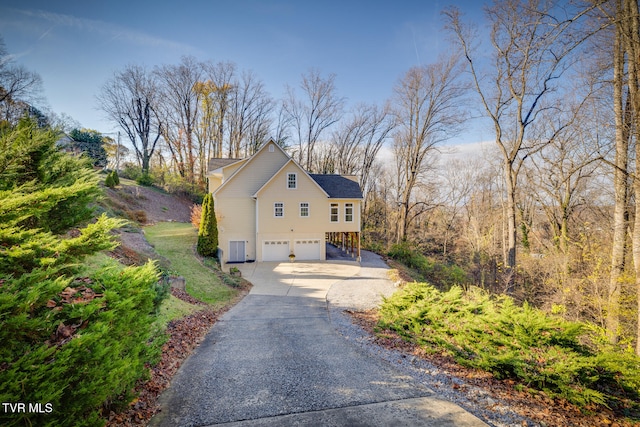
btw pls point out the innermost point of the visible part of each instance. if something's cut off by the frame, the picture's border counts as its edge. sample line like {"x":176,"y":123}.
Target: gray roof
{"x":217,"y":163}
{"x":337,"y":186}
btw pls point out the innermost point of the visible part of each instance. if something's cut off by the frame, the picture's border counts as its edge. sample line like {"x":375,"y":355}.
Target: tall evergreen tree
{"x":90,"y":142}
{"x":208,"y":232}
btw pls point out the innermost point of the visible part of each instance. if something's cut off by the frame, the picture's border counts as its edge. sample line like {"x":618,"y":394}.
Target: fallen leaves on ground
{"x":74,"y":295}
{"x":184,"y":296}
{"x":536,"y":407}
{"x":80,"y":294}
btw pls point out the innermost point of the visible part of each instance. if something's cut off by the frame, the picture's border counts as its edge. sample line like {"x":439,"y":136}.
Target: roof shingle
{"x":338,"y":186}
{"x":216,"y":163}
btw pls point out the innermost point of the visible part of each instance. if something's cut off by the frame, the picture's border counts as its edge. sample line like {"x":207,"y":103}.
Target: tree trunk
{"x":618,"y":249}
{"x":633,"y":50}
{"x":511,"y":225}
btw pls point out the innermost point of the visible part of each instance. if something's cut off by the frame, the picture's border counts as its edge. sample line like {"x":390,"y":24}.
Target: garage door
{"x":307,"y":249}
{"x":275,"y":250}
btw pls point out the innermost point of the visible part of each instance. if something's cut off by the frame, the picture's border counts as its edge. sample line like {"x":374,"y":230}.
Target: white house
{"x":268,"y":208}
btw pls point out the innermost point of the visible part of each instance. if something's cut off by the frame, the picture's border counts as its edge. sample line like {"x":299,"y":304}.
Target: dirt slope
{"x":132,"y":199}
{"x":142,"y":206}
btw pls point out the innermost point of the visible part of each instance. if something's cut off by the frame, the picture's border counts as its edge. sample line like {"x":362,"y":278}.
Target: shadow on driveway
{"x":276,"y":359}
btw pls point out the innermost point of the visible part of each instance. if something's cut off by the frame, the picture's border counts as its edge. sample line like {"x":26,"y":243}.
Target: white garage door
{"x":275,"y":250}
{"x":307,"y":249}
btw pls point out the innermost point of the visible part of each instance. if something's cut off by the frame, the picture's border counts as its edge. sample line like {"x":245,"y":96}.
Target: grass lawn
{"x":176,"y":241}
{"x":173,"y":308}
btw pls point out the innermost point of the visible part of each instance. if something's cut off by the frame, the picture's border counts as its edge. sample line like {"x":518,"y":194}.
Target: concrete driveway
{"x":297,"y":279}
{"x":276,"y":359}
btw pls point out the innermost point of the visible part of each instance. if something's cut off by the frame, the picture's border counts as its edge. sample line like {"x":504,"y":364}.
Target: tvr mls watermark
{"x":27,"y":408}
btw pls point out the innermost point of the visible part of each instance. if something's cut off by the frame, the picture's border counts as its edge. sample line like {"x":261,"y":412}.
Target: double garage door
{"x":278,"y":250}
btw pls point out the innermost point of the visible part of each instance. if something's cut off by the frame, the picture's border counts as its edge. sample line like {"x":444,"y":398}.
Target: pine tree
{"x":91,"y":143}
{"x":208,"y":231}
{"x":116,"y":178}
{"x":108,"y":181}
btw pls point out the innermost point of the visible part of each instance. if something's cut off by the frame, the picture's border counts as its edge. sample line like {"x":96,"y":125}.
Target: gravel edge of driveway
{"x":343,"y":296}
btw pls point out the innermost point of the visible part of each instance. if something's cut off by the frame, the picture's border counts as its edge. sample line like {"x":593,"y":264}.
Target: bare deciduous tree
{"x":180,"y":112}
{"x":282,"y":126}
{"x":533,"y":42}
{"x":427,"y":110}
{"x":220,"y":79}
{"x":248,"y":115}
{"x":621,"y":63}
{"x":620,"y":190}
{"x":130,"y":99}
{"x":628,"y":27}
{"x":17,"y":85}
{"x":458,"y":178}
{"x":561,"y":171}
{"x":314,"y":114}
{"x":359,"y":139}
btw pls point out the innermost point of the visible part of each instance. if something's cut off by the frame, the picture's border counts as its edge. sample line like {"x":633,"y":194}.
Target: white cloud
{"x":114,"y":32}
{"x":470,"y":149}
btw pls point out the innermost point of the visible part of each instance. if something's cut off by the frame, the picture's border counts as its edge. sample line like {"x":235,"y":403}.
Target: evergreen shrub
{"x":76,"y":344}
{"x":208,"y":231}
{"x":73,"y":339}
{"x":145,"y":179}
{"x":519,"y":342}
{"x":109,"y":181}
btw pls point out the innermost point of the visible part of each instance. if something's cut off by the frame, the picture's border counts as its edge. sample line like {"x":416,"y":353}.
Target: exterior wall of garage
{"x":235,"y":207}
{"x":292,"y":225}
{"x":291,"y":221}
{"x":291,"y":239}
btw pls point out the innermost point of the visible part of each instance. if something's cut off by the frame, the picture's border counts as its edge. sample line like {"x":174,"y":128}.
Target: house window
{"x":271,"y":149}
{"x":278,"y":209}
{"x":348,"y":212}
{"x":304,"y":209}
{"x":292,"y":182}
{"x":334,"y":212}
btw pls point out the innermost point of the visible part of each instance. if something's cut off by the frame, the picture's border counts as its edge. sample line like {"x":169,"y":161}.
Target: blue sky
{"x":77,"y":45}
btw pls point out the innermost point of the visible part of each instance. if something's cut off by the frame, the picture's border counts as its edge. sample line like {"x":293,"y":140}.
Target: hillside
{"x":146,"y":207}
{"x":130,"y":199}
{"x":143,"y":206}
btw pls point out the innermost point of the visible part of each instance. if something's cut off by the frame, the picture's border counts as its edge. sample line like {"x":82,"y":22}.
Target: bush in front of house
{"x":208,"y":231}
